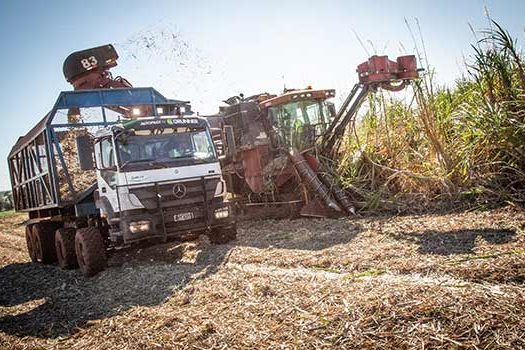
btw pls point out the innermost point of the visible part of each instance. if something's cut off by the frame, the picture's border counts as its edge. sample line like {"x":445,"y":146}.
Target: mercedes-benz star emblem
{"x":179,"y":191}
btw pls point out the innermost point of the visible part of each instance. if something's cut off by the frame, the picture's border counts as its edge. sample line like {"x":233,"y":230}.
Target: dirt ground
{"x":432,"y":281}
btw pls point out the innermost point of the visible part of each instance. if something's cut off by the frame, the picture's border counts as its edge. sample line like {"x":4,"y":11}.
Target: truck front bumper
{"x":140,"y":225}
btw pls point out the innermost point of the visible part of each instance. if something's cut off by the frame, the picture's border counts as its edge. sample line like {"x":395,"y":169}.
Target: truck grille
{"x":169,"y":197}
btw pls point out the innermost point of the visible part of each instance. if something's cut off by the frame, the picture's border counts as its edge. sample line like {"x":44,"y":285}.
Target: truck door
{"x":107,"y":175}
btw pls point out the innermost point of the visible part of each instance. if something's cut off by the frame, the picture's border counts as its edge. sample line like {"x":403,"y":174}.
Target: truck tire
{"x":29,"y":242}
{"x":43,"y":243}
{"x":222,"y":235}
{"x":90,"y":250}
{"x":65,"y":248}
{"x":188,"y":237}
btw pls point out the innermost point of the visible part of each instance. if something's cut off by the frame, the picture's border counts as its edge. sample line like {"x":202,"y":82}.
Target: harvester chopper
{"x":276,"y":149}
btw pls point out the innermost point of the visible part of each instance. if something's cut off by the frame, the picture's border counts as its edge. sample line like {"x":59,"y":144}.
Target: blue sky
{"x":206,"y":51}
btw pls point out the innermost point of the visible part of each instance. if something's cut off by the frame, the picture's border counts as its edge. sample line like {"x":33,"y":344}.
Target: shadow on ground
{"x":455,"y":241}
{"x":61,"y":301}
{"x":68,"y":300}
{"x":302,"y":234}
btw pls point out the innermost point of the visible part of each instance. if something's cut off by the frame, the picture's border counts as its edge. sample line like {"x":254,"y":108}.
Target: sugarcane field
{"x":278,"y":175}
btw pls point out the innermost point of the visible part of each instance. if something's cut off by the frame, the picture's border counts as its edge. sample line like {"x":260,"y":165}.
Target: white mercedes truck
{"x":110,"y":167}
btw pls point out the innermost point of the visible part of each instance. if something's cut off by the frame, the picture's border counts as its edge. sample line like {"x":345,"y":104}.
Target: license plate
{"x":183,"y":216}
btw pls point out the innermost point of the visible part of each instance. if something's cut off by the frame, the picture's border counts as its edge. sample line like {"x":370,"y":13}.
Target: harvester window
{"x":306,"y":112}
{"x":299,"y":123}
{"x":314,"y":114}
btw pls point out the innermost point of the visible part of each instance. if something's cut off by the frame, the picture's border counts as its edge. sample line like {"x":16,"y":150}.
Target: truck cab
{"x":159,"y":177}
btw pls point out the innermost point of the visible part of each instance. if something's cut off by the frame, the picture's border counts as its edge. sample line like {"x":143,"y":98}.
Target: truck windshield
{"x":194,"y":146}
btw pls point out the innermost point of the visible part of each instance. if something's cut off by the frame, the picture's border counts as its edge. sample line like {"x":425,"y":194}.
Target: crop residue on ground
{"x":430,"y":281}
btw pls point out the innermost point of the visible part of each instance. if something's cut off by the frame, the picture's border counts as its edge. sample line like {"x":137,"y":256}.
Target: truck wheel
{"x":29,"y":242}
{"x":91,"y":251}
{"x":65,"y":248}
{"x":189,"y":237}
{"x":222,"y":235}
{"x":43,"y":243}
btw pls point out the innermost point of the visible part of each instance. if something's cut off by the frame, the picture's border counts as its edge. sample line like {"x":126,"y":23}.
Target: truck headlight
{"x":222,"y":213}
{"x":140,"y":226}
{"x":220,"y":189}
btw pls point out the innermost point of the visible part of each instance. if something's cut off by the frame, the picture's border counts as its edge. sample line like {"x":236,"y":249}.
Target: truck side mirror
{"x":85,"y":152}
{"x":229,"y":136}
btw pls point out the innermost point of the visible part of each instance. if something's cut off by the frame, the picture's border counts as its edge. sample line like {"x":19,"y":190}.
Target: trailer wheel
{"x":43,"y":243}
{"x":29,"y":242}
{"x":222,"y":235}
{"x":65,"y":248}
{"x":90,"y":250}
{"x":188,"y":237}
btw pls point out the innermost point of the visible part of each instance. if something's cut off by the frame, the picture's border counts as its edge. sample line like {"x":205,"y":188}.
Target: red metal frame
{"x":379,"y":69}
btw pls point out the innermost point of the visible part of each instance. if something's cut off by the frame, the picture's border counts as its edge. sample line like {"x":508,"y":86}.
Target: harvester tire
{"x":43,"y":242}
{"x":29,"y":243}
{"x":90,"y":250}
{"x":223,"y":235}
{"x":65,"y":248}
